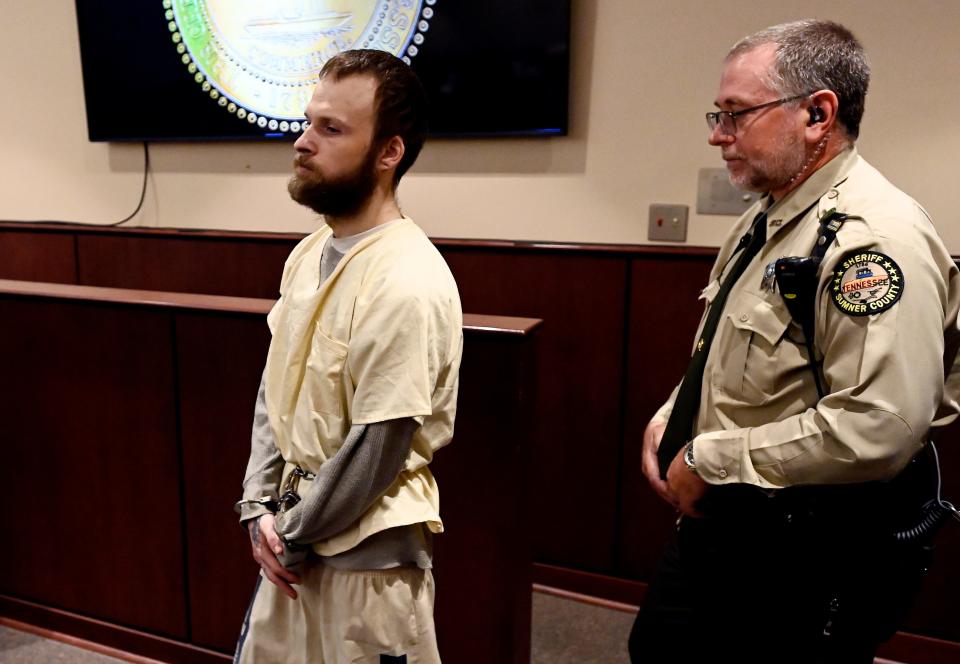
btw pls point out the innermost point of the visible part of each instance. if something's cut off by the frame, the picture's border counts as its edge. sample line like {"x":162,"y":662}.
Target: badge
{"x":259,"y":60}
{"x":866,"y":283}
{"x":769,"y":281}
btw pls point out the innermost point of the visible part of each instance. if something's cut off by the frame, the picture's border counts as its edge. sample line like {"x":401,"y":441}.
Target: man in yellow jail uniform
{"x":358,"y":392}
{"x":797,"y":451}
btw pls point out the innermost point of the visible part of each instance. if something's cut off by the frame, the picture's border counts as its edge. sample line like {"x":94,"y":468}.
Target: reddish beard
{"x":341,"y":196}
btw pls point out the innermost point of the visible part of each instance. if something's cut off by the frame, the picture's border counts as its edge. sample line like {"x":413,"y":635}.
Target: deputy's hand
{"x":687,"y":487}
{"x":651,"y":469}
{"x":266,"y":546}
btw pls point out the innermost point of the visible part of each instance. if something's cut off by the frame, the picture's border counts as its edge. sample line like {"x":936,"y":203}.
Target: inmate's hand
{"x":651,"y":469}
{"x":687,"y":487}
{"x":266,"y":546}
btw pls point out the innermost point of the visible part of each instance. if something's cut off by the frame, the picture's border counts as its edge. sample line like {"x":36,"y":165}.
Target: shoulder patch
{"x":866,"y":283}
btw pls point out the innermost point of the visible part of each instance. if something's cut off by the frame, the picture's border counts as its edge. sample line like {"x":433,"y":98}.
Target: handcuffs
{"x":288,"y":495}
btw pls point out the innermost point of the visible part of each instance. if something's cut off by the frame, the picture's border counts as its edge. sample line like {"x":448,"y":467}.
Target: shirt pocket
{"x":324,"y":374}
{"x":751,"y":361}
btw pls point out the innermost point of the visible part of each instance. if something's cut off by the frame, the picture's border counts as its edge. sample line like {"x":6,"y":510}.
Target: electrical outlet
{"x":668,"y":223}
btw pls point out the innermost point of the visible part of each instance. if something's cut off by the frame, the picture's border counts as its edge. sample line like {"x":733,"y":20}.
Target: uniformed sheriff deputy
{"x":359,"y":391}
{"x":796,"y":450}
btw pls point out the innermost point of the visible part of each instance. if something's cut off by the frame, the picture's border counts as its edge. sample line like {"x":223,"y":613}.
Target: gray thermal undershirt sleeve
{"x":265,"y":466}
{"x":364,"y":467}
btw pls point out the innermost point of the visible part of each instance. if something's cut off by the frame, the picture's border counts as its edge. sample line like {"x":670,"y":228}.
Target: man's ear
{"x":822,"y":110}
{"x":390,"y":154}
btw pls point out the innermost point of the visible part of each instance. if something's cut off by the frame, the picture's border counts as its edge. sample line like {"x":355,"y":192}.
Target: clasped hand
{"x":682,"y":489}
{"x":266,"y":546}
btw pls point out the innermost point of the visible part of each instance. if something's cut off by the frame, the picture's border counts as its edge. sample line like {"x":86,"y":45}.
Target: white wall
{"x":643,"y":75}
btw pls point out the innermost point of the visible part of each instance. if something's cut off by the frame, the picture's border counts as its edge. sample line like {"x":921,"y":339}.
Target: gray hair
{"x":816,"y":55}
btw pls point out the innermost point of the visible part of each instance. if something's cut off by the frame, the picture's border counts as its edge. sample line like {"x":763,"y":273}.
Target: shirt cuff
{"x":717,"y":458}
{"x":723,"y":457}
{"x":253,"y":508}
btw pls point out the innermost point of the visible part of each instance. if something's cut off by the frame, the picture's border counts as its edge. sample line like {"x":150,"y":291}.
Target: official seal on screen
{"x":259,"y":59}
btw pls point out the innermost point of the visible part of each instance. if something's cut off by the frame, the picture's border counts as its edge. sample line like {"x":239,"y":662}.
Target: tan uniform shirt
{"x":886,"y":332}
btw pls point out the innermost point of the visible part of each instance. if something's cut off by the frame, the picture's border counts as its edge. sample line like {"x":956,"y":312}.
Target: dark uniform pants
{"x":800,"y":578}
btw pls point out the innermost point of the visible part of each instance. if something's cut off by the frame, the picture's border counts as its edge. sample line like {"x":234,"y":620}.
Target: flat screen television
{"x":179,"y":70}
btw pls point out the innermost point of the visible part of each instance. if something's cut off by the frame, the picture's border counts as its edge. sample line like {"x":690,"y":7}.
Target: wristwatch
{"x":688,"y":458}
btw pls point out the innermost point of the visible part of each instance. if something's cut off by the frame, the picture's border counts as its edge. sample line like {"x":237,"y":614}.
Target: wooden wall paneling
{"x":38,"y":256}
{"x":216,"y":266}
{"x":92,"y":519}
{"x":483,"y":558}
{"x":219,"y":359}
{"x":576,"y":416}
{"x":664,"y":313}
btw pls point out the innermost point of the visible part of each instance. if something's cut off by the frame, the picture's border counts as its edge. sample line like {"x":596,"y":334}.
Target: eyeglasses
{"x":728,"y":119}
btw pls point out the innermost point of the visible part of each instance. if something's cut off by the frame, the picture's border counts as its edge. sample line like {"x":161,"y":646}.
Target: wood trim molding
{"x":577,"y":247}
{"x":76,"y":642}
{"x":589,"y":584}
{"x":51,"y":623}
{"x":477,"y":323}
{"x":917,"y":649}
{"x":213,"y":234}
{"x":584,"y":599}
{"x":243,"y":305}
{"x":80,"y":228}
{"x":500,"y":324}
{"x":678,"y":250}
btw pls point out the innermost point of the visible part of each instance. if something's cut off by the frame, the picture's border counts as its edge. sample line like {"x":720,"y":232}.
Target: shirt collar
{"x":823,"y":181}
{"x":345,"y":244}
